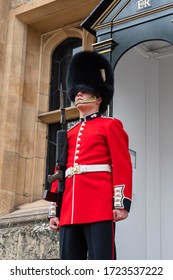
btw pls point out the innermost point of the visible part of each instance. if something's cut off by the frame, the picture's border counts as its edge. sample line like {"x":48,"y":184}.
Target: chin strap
{"x":88,"y":100}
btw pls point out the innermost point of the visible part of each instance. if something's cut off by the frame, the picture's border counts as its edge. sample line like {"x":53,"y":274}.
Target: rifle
{"x":61,"y":159}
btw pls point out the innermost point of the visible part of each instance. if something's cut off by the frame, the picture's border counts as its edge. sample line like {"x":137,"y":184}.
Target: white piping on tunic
{"x":73,"y":185}
{"x":72,"y":212}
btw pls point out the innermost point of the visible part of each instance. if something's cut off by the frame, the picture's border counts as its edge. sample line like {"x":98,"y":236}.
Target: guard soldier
{"x":98,"y":184}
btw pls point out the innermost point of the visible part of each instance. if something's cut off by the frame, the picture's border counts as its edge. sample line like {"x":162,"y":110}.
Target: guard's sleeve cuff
{"x":119,"y":200}
{"x":52,"y":210}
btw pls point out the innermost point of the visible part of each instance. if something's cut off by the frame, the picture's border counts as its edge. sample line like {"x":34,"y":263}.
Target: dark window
{"x":60,"y":61}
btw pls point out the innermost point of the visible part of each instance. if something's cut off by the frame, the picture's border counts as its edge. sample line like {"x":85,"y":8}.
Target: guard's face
{"x":87,"y":103}
{"x":82,"y":97}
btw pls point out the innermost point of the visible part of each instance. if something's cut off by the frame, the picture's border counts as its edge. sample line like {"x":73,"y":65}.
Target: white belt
{"x":79,"y":169}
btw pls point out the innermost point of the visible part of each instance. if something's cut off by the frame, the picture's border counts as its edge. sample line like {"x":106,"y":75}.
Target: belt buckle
{"x":75,"y":170}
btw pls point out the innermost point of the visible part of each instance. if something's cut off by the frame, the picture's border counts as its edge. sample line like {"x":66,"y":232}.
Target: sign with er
{"x":142,"y":4}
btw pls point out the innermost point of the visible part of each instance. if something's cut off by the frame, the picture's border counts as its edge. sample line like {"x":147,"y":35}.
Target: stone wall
{"x":16,"y":3}
{"x":25,"y":234}
{"x":30,"y":30}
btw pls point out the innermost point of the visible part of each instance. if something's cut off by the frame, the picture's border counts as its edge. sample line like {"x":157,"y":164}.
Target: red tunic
{"x":88,"y":197}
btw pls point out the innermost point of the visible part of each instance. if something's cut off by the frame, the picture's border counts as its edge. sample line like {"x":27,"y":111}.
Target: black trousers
{"x":94,"y":241}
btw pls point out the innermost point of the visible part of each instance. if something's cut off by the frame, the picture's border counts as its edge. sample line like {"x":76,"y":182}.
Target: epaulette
{"x":73,"y":126}
{"x":105,"y":117}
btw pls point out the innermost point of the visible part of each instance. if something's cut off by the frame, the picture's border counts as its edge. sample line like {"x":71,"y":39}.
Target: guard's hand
{"x":54,"y":223}
{"x":119,"y":214}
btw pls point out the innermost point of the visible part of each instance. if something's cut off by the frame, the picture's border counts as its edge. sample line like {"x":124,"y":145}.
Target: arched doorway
{"x":143,"y":101}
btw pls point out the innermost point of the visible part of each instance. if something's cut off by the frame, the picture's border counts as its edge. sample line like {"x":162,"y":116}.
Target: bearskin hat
{"x":91,"y":72}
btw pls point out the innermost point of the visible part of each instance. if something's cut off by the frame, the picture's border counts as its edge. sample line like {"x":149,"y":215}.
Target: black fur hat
{"x":91,"y":72}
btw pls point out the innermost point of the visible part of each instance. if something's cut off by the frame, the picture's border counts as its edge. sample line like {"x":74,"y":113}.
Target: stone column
{"x":14,"y":45}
